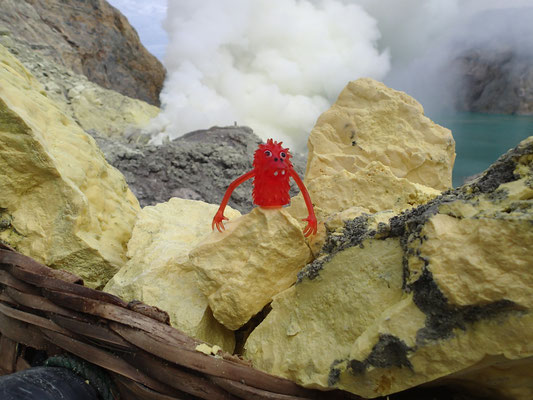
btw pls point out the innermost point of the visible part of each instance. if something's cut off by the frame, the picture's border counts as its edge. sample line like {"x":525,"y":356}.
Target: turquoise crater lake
{"x":481,"y":138}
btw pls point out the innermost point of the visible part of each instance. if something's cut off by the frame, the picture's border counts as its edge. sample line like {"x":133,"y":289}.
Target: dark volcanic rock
{"x":90,"y":37}
{"x":199,"y":165}
{"x":495,"y":65}
{"x":495,"y":82}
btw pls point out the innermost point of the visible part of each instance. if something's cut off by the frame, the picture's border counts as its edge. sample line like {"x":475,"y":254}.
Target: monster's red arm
{"x":219,"y":216}
{"x":311,"y":227}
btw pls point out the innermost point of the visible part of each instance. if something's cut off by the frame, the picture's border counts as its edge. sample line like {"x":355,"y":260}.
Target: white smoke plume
{"x":273,"y":65}
{"x":424,"y":50}
{"x":276,"y":65}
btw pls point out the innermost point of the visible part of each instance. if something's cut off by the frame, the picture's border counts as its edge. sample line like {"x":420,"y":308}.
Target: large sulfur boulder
{"x":60,"y":201}
{"x":158,"y":271}
{"x":376,"y":150}
{"x":371,"y":122}
{"x":373,"y":188}
{"x":255,"y":258}
{"x":439,"y":293}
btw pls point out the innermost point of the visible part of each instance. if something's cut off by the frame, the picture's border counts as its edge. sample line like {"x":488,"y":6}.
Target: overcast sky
{"x":147,"y":18}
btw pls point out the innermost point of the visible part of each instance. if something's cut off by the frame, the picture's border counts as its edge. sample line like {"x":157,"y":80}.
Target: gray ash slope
{"x":199,"y":165}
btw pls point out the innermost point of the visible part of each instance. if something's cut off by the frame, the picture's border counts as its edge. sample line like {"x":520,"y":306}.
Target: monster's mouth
{"x":279,"y":172}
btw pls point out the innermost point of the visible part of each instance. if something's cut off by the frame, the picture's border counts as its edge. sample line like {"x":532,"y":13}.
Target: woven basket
{"x":51,"y":310}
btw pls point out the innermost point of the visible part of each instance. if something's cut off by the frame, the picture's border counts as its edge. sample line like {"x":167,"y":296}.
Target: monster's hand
{"x":217,"y":220}
{"x":219,"y":216}
{"x":311,"y":227}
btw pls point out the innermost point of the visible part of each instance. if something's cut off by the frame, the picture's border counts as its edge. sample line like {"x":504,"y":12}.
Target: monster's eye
{"x":268,"y":153}
{"x":282,"y":154}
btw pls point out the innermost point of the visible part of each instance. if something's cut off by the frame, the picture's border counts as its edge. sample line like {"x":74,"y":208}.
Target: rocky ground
{"x":196,"y":166}
{"x":498,"y":82}
{"x":409,"y":283}
{"x":92,"y":107}
{"x":90,"y":38}
{"x":495,"y":71}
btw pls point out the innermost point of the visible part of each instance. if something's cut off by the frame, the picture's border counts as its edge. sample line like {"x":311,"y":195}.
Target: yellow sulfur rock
{"x":256,"y":257}
{"x":459,"y":311}
{"x":373,"y":188}
{"x":371,"y":122}
{"x":158,"y":272}
{"x":485,"y":347}
{"x":208,"y":350}
{"x":60,"y":201}
{"x":484,"y":262}
{"x":374,"y":149}
{"x":314,"y":324}
{"x":106,"y":111}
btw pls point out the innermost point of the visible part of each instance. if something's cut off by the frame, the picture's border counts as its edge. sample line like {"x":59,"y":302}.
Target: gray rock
{"x":495,"y":82}
{"x":199,"y":165}
{"x":91,"y":106}
{"x":495,"y":65}
{"x":89,"y":37}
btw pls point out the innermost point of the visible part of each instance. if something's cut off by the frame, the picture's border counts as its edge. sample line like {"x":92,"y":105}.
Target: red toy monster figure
{"x":271,"y":173}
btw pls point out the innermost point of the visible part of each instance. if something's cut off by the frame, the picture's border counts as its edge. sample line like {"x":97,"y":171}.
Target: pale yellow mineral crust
{"x":374,"y":149}
{"x":316,"y":322}
{"x":460,"y":311}
{"x":107,"y":112}
{"x":241,"y":269}
{"x":371,"y":122}
{"x":60,"y":201}
{"x":158,"y":271}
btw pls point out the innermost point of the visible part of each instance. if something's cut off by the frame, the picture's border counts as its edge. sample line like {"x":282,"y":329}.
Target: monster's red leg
{"x":219,"y":216}
{"x":311,"y":227}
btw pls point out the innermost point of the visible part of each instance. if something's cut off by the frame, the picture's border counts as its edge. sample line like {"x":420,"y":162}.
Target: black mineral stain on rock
{"x":354,"y":233}
{"x":357,"y":367}
{"x":5,"y":219}
{"x":497,"y":195}
{"x":312,"y":270}
{"x":409,"y":224}
{"x":389,"y":351}
{"x":442,"y":318}
{"x":334,"y":373}
{"x":413,"y":220}
{"x":502,"y":171}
